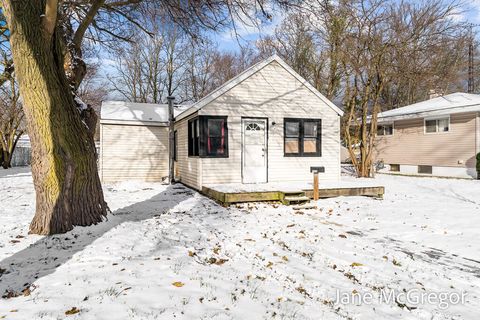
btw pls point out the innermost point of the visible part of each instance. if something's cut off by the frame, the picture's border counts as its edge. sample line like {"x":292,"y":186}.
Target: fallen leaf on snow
{"x":221,"y":261}
{"x":26,"y":292}
{"x":74,"y":310}
{"x":356,"y":264}
{"x":178,"y":284}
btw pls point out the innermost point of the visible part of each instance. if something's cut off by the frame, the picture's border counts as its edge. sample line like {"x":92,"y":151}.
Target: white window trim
{"x":436,"y":118}
{"x":386,"y":124}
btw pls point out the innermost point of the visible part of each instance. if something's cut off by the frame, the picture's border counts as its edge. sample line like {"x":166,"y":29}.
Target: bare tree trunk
{"x":64,"y":168}
{"x":6,"y":160}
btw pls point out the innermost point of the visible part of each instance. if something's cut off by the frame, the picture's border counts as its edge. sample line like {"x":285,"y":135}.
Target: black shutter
{"x":202,"y":122}
{"x":190,"y":140}
{"x":319,"y":139}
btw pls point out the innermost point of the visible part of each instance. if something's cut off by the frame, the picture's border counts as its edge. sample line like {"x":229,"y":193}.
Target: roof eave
{"x":430,"y":113}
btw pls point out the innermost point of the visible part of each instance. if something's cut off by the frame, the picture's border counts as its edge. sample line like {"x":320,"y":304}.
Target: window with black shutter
{"x":302,"y":137}
{"x":216,"y":136}
{"x":208,"y":137}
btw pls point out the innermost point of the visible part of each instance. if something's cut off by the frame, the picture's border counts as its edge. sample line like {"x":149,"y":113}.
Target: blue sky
{"x":471,"y":12}
{"x":228,"y":42}
{"x":247,"y":33}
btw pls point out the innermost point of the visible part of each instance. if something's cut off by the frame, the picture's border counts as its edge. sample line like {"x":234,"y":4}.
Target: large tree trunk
{"x":64,"y":168}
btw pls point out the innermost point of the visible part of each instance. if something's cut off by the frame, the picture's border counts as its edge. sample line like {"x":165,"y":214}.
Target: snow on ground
{"x":167,"y":252}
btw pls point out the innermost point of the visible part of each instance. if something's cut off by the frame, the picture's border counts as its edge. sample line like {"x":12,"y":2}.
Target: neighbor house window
{"x":385,"y":129}
{"x":437,"y":125}
{"x":193,"y":137}
{"x":208,"y":136}
{"x":425,"y":169}
{"x":302,"y":137}
{"x":394,"y":167}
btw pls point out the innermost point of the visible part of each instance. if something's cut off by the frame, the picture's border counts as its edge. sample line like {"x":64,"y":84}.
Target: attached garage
{"x":133,"y":141}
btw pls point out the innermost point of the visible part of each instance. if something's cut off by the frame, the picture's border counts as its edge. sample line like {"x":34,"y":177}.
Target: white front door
{"x":254,"y":151}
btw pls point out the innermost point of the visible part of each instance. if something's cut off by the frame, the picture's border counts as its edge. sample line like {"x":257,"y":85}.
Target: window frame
{"x":421,"y":169}
{"x":383,"y":125}
{"x":436,"y":119}
{"x":204,"y":137}
{"x":301,"y":137}
{"x":193,"y":141}
{"x":395,"y":165}
{"x":202,"y":142}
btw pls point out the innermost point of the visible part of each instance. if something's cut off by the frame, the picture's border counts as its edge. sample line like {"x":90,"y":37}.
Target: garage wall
{"x":133,"y":152}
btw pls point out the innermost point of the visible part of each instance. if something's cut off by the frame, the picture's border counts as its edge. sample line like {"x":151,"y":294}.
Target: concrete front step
{"x":302,"y":198}
{"x":297,"y":198}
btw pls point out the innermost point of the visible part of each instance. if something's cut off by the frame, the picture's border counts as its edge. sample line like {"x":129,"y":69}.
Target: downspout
{"x":171,"y":147}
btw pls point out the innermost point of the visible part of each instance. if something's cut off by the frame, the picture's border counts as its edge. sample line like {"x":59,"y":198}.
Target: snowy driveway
{"x":168,"y":252}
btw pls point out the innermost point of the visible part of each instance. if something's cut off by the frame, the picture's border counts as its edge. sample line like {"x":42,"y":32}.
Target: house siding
{"x":133,"y":152}
{"x":187,"y":169}
{"x":275,"y":94}
{"x":410,"y":145}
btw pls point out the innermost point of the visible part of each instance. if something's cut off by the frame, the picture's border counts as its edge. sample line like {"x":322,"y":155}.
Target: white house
{"x":267,"y":124}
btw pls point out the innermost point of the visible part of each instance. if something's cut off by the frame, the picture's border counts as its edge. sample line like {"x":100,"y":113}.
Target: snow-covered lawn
{"x":170,"y":253}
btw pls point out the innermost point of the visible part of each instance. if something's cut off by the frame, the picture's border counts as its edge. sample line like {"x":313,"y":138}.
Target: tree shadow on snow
{"x":43,"y":257}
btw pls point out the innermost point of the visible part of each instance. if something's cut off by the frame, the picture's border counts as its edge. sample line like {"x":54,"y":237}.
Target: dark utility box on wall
{"x":317,"y":169}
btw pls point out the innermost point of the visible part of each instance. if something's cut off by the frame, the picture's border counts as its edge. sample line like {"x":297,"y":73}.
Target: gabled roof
{"x":248,"y":73}
{"x":133,"y":111}
{"x":452,"y":103}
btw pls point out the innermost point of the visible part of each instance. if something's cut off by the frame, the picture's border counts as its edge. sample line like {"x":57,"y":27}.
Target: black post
{"x":171,"y":146}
